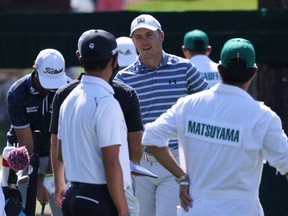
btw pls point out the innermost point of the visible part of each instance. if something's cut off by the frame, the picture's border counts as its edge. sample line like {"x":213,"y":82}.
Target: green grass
{"x":193,"y":5}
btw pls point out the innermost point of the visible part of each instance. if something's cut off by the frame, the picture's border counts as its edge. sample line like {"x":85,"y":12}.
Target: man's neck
{"x":103,"y":74}
{"x":152,"y":62}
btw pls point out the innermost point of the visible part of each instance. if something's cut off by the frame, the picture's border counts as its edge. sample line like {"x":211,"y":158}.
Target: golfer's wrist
{"x":182,"y":178}
{"x":184,"y":183}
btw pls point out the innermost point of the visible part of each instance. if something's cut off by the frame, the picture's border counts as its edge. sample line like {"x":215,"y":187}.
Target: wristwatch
{"x":181,"y":178}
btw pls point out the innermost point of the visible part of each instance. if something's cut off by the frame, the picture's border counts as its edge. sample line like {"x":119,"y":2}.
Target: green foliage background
{"x":192,"y":5}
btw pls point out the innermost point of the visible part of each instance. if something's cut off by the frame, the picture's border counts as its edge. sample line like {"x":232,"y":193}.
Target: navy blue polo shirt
{"x":27,"y":107}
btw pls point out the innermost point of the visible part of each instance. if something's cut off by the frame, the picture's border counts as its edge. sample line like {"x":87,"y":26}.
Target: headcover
{"x":18,"y":158}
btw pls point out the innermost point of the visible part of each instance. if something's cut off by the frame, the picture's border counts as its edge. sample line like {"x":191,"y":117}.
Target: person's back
{"x":228,"y":140}
{"x":86,"y":132}
{"x":224,"y":136}
{"x":196,"y":48}
{"x":93,"y":135}
{"x":128,"y":100}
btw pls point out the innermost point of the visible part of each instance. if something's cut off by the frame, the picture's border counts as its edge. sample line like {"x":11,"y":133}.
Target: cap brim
{"x":52,"y":83}
{"x":124,"y":61}
{"x":152,"y":28}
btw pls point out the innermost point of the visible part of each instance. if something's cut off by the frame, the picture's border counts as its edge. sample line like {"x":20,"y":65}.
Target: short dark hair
{"x":199,"y":47}
{"x":94,"y":65}
{"x":236,"y":72}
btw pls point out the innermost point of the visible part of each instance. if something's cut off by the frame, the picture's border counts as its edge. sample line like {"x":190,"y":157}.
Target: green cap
{"x":195,"y":35}
{"x":238,"y":48}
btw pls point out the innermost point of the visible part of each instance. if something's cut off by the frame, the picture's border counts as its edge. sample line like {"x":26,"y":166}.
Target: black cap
{"x":98,"y":45}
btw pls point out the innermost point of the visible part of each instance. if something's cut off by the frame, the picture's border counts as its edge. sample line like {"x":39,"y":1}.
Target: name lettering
{"x":213,"y":131}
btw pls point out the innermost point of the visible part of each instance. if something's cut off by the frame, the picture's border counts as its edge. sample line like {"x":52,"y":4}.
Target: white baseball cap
{"x":145,"y":21}
{"x":127,"y":53}
{"x":50,"y":65}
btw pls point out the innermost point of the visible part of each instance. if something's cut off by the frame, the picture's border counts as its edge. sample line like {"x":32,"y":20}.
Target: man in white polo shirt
{"x":224,"y":136}
{"x":196,"y":48}
{"x":93,"y":135}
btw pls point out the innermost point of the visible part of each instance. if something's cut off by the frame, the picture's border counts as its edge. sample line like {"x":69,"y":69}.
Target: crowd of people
{"x":188,"y":120}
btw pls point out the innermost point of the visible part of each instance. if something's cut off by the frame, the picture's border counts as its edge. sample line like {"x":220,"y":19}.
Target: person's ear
{"x":78,"y":55}
{"x":183,"y":49}
{"x":80,"y":60}
{"x":255,"y":69}
{"x":186,"y":52}
{"x":208,"y":51}
{"x":115,"y":63}
{"x":220,"y":69}
{"x":162,"y":35}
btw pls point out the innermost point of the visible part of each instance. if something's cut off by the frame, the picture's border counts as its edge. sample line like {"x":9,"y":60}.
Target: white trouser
{"x":157,"y":197}
{"x":54,"y":209}
{"x":223,"y":207}
{"x":132,"y":202}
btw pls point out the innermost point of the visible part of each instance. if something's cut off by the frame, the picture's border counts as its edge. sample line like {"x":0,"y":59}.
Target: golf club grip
{"x":30,"y":206}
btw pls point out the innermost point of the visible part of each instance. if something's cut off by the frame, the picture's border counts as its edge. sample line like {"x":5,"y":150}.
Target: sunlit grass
{"x":194,"y":5}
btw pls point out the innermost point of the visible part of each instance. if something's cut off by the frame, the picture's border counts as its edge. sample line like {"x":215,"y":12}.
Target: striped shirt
{"x":158,"y":89}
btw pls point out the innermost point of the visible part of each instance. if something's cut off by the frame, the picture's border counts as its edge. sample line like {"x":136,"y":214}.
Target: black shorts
{"x":88,"y":199}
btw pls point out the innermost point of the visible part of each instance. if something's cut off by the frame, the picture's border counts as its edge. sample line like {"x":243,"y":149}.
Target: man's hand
{"x":59,"y":195}
{"x":42,"y":192}
{"x":186,"y":200}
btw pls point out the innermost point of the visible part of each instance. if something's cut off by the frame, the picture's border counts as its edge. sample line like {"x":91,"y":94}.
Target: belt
{"x":81,"y":184}
{"x":150,"y":158}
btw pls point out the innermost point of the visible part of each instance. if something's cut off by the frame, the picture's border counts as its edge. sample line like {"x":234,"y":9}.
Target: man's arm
{"x":166,"y":159}
{"x":135,"y":146}
{"x":196,"y":81}
{"x":58,"y":171}
{"x":114,"y":177}
{"x":25,"y":138}
{"x":57,"y":164}
{"x":59,"y":150}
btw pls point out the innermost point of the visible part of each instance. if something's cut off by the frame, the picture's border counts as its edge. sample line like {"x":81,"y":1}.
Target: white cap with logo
{"x":145,"y":21}
{"x":50,"y":65}
{"x":127,"y":53}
